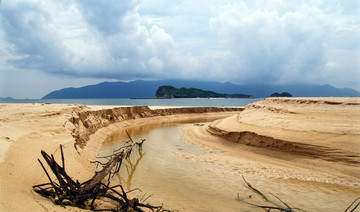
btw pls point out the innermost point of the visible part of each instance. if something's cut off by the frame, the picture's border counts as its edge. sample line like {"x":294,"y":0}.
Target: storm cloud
{"x":273,"y":42}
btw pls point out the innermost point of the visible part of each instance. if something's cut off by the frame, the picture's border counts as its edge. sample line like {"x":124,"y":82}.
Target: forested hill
{"x":147,"y":89}
{"x":170,"y":92}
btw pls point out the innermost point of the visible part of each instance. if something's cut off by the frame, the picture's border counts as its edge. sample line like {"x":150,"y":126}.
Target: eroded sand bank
{"x":305,"y":151}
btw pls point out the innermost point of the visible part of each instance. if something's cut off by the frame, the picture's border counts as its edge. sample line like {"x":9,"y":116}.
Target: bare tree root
{"x":65,"y":191}
{"x":273,"y":205}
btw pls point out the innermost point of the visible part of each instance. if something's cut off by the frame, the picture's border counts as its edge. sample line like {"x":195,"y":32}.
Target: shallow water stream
{"x":166,"y":170}
{"x":178,"y":183}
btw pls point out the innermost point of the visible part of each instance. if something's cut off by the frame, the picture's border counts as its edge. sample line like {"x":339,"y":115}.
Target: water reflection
{"x":130,"y":168}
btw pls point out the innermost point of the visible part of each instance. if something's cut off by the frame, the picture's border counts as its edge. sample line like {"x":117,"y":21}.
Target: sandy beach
{"x":26,"y":129}
{"x":305,"y":150}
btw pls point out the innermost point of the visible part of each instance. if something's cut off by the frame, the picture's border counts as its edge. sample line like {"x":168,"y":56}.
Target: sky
{"x":52,"y":44}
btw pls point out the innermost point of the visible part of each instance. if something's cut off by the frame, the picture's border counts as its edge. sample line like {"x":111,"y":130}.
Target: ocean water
{"x":149,"y":102}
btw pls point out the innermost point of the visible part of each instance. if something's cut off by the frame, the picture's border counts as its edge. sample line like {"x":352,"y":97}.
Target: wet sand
{"x":305,"y":151}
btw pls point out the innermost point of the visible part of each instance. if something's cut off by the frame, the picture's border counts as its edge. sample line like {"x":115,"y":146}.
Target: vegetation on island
{"x":283,"y":94}
{"x":170,"y":92}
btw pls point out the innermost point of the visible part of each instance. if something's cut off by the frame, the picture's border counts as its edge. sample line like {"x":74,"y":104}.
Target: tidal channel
{"x":173,"y":180}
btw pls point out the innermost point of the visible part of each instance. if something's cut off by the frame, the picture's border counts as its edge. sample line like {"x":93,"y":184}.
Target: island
{"x":170,"y":92}
{"x":283,"y":94}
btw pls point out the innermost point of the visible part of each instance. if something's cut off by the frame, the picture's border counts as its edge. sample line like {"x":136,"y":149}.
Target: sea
{"x":194,"y":102}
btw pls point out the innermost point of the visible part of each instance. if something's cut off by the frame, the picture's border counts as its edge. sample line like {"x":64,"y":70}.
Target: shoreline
{"x":27,"y":128}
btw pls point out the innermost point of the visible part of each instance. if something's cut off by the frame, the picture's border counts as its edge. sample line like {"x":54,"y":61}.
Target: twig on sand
{"x":277,"y":207}
{"x":273,"y":205}
{"x":353,"y":205}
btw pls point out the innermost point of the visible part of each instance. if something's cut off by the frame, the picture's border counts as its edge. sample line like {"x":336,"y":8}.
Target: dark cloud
{"x":27,"y":27}
{"x":108,"y":17}
{"x":240,"y":41}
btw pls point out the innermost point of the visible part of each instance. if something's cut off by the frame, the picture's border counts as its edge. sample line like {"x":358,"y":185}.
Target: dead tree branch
{"x":66,"y":191}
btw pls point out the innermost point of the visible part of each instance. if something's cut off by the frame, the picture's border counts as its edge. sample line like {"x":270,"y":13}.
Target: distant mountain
{"x":170,"y":92}
{"x":6,"y":98}
{"x":147,"y":89}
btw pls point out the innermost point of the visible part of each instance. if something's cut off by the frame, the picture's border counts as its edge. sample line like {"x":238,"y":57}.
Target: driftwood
{"x":273,"y":205}
{"x":65,"y":191}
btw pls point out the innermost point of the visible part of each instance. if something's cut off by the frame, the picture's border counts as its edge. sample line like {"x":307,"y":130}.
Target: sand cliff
{"x":89,"y":121}
{"x":328,"y":129}
{"x":323,"y":129}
